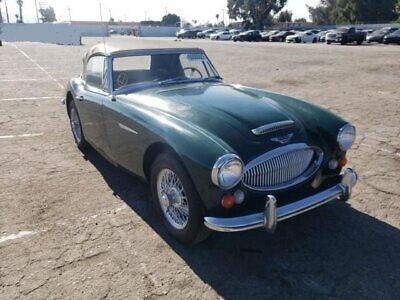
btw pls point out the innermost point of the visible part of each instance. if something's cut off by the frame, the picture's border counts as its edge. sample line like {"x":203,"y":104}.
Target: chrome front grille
{"x":282,"y":167}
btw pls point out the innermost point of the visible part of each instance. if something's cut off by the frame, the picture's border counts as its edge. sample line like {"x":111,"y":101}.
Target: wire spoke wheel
{"x":76,"y":125}
{"x":172,"y":198}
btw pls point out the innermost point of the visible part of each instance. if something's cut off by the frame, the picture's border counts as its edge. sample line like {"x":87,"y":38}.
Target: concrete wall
{"x":62,"y":33}
{"x":157,"y":31}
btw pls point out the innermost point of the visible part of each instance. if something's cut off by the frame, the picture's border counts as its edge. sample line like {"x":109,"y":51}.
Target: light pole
{"x":1,"y":14}
{"x":37,"y":14}
{"x":8,"y":18}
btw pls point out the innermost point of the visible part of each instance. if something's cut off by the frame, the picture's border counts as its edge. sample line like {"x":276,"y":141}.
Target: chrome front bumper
{"x":273,"y":214}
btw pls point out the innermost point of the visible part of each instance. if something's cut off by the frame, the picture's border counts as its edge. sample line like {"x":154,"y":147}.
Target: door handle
{"x":80,"y":98}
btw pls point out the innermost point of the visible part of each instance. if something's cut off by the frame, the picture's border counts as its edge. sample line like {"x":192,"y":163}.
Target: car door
{"x":125,"y":129}
{"x":351,"y":34}
{"x":89,"y":101}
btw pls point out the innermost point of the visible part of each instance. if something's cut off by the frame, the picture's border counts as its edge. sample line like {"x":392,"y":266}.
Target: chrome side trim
{"x":122,"y":126}
{"x":273,"y":127}
{"x":263,"y":219}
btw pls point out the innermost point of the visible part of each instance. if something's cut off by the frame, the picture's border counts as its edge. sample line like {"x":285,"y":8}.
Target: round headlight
{"x":346,"y":137}
{"x":227,"y":171}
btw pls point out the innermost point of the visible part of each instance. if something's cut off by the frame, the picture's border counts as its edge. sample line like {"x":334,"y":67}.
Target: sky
{"x":137,"y":10}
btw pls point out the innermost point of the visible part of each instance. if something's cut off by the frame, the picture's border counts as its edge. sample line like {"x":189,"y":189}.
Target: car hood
{"x":228,"y":112}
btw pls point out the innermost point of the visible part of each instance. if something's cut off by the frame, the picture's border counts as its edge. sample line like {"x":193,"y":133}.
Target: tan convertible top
{"x":107,"y":50}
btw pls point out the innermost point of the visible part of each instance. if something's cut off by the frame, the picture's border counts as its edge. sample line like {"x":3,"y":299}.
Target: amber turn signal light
{"x":342,"y":162}
{"x":228,"y":201}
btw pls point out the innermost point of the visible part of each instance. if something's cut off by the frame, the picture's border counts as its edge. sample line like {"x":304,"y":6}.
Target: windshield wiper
{"x":173,"y":80}
{"x":213,"y":78}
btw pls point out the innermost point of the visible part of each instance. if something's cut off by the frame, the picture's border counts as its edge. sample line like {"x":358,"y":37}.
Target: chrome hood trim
{"x":273,"y":127}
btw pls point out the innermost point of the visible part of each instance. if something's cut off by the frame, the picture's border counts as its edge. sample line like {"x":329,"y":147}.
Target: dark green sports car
{"x":218,"y":156}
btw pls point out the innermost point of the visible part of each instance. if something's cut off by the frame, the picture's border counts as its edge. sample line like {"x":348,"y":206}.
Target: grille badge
{"x":283,"y":139}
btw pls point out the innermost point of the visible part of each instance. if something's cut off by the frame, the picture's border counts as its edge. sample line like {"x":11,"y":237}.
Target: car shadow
{"x":333,"y":252}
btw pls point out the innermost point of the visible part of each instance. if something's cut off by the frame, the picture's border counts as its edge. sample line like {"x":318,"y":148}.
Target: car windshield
{"x":160,"y":69}
{"x":397,"y":32}
{"x":343,"y":29}
{"x":381,"y":31}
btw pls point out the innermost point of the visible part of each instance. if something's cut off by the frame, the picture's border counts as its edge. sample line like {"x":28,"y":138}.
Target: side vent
{"x":273,"y":127}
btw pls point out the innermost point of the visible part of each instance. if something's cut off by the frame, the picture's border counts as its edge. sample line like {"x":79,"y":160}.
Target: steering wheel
{"x":122,"y":79}
{"x":194,"y":70}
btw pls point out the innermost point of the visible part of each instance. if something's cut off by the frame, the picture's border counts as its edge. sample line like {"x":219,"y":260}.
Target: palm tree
{"x":20,"y":3}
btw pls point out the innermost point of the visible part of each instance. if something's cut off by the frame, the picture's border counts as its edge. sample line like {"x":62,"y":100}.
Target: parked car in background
{"x":187,"y":34}
{"x":281,"y":36}
{"x":248,"y":36}
{"x":265,"y":36}
{"x":217,"y":156}
{"x":206,"y":33}
{"x":345,"y":35}
{"x":302,"y":37}
{"x":222,"y":35}
{"x":393,"y":38}
{"x":322,"y":35}
{"x":378,"y":35}
{"x":235,"y":31}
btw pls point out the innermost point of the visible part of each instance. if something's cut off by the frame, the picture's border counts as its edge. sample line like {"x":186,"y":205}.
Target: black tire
{"x":328,"y":42}
{"x":194,"y":231}
{"x":81,"y":143}
{"x":359,"y":42}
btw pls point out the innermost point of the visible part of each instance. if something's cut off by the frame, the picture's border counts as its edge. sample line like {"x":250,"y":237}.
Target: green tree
{"x":398,"y":11}
{"x":48,"y":15}
{"x":254,"y":13}
{"x":170,"y":20}
{"x":324,"y":13}
{"x":354,"y":11}
{"x":285,"y":16}
{"x":300,"y":20}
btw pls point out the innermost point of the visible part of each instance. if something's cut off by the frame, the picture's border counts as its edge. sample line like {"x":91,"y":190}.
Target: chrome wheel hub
{"x":76,"y":125}
{"x":172,"y":198}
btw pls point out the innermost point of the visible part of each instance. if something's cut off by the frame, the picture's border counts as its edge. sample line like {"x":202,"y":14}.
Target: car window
{"x":195,"y":65}
{"x":156,"y":68}
{"x":132,"y":63}
{"x":94,"y":71}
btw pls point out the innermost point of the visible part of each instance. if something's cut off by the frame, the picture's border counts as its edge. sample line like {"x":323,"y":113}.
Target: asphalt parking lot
{"x":76,"y":227}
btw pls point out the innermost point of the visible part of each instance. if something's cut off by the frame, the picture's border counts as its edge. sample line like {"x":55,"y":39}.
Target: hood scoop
{"x":273,"y":127}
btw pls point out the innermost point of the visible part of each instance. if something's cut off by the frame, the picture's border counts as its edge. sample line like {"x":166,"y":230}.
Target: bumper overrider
{"x":272,"y":214}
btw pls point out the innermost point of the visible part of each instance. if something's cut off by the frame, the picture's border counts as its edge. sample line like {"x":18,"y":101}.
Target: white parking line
{"x":39,"y":66}
{"x":380,"y":149}
{"x":20,"y":135}
{"x":30,"y":79}
{"x":16,"y":236}
{"x":29,"y":98}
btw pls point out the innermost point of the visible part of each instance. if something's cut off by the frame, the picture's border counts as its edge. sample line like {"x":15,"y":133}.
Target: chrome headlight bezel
{"x":346,"y":137}
{"x":221,"y":163}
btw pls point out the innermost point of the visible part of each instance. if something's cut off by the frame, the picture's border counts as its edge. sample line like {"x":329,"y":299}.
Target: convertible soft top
{"x":106,"y":50}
